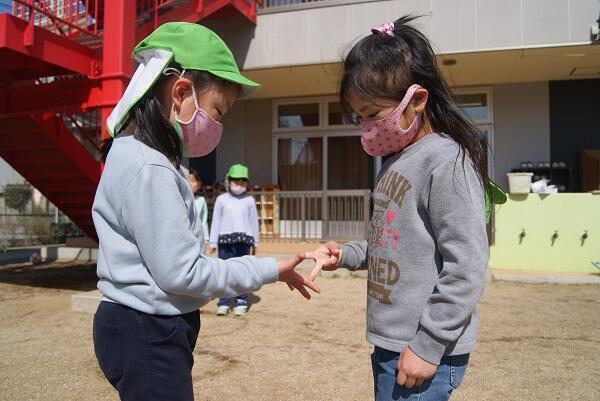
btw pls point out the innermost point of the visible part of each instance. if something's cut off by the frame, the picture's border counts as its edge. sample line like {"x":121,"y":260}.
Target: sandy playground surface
{"x":537,"y":342}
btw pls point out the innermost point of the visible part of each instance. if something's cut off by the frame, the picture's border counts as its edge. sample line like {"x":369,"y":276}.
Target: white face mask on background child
{"x":237,"y":189}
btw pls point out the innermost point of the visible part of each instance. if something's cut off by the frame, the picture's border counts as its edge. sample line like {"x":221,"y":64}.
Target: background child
{"x":152,"y":273}
{"x":201,"y":206}
{"x":427,"y":251}
{"x":235,"y":229}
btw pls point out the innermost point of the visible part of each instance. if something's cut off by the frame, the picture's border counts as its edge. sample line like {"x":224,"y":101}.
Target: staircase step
{"x":68,"y":191}
{"x":37,"y":163}
{"x":24,"y":147}
{"x":38,"y":175}
{"x":73,"y":185}
{"x":48,"y":155}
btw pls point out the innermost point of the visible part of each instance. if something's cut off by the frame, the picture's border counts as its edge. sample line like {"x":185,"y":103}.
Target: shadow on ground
{"x":57,"y":275}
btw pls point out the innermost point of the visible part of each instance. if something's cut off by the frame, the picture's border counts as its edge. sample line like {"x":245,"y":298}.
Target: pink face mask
{"x":386,"y":136}
{"x":201,"y":134}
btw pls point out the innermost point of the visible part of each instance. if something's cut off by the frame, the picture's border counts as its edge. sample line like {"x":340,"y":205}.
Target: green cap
{"x":238,"y":171}
{"x":497,"y":196}
{"x":193,"y":46}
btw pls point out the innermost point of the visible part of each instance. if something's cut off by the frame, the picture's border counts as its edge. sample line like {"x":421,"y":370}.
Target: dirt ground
{"x":537,"y":342}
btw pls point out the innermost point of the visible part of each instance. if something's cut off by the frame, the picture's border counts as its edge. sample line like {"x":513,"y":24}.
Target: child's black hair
{"x":105,"y":148}
{"x":196,"y":175}
{"x":147,"y":117}
{"x":384,"y":67}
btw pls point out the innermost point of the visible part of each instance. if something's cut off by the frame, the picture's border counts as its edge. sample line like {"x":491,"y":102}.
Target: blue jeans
{"x":447,"y":378}
{"x":235,"y":250}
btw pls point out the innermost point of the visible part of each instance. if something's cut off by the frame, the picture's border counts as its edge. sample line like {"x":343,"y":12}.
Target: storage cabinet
{"x":267,"y":205}
{"x":590,"y":170}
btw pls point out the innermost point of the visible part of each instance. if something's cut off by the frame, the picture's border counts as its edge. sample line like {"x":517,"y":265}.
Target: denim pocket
{"x":108,"y":346}
{"x":458,"y":368}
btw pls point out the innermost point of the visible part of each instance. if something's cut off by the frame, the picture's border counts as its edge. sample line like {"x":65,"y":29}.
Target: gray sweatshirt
{"x":150,"y":255}
{"x":427,"y":252}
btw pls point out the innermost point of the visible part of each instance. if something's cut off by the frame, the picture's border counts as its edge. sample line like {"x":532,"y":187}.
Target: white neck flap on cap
{"x":152,"y":64}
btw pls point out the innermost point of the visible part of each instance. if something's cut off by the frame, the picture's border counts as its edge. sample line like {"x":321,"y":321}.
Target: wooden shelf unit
{"x":267,"y":205}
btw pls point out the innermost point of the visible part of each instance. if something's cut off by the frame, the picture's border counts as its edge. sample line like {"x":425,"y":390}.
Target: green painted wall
{"x":570,"y":214}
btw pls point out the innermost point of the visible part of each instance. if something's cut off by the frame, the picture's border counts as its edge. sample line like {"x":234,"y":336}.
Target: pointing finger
{"x":312,"y":286}
{"x":316,"y":270}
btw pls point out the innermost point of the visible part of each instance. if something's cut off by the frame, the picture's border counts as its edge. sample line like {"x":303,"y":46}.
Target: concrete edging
{"x":546,"y":279}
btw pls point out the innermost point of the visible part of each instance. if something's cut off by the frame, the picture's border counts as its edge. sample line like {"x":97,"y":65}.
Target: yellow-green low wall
{"x":569,"y":214}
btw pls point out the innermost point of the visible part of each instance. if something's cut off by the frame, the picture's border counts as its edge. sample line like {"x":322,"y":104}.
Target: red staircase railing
{"x":70,"y":18}
{"x":67,"y":70}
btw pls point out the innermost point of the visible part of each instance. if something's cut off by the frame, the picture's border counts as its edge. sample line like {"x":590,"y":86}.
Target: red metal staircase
{"x":63,"y":66}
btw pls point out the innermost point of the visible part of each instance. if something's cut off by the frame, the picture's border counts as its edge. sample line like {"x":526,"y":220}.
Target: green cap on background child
{"x":238,"y":171}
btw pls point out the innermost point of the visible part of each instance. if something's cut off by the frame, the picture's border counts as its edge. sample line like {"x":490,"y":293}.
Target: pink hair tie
{"x":386,"y":29}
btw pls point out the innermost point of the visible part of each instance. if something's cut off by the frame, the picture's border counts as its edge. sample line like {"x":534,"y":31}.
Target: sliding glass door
{"x":306,"y":163}
{"x":300,"y":163}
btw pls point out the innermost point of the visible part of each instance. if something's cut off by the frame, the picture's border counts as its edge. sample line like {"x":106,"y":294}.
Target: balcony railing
{"x":72,"y":18}
{"x":275,"y":6}
{"x":81,"y":20}
{"x":281,"y":3}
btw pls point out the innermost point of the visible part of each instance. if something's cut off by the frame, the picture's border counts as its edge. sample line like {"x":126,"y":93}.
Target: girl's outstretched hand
{"x":294,"y":280}
{"x":327,"y":257}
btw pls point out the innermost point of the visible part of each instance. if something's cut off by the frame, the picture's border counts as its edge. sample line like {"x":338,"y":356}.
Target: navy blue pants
{"x":234,"y":250}
{"x":146,"y":357}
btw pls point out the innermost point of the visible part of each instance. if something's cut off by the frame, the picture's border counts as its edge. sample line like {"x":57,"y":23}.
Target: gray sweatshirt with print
{"x":427,"y":252}
{"x":151,"y":239}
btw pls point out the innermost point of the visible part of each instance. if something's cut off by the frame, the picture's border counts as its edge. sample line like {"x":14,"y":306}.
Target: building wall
{"x":521,"y":126}
{"x":521,"y":132}
{"x":569,"y":215}
{"x":454,"y":26}
{"x":247,"y":139}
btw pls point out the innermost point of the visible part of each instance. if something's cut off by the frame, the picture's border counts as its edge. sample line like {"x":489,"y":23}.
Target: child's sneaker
{"x":222,"y":310}
{"x":240,"y":310}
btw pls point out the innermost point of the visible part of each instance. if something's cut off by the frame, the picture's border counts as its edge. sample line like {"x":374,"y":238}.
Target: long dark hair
{"x":147,"y":117}
{"x":383,"y":67}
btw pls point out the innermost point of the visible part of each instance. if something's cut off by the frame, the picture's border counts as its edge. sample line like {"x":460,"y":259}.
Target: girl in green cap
{"x":234,"y":229}
{"x":152,"y":273}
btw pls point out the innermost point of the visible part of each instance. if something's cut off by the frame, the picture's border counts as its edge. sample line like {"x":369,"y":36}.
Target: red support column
{"x":117,"y":66}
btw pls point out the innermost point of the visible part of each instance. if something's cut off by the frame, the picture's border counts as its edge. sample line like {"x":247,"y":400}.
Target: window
{"x":476,"y":103}
{"x":300,"y":163}
{"x":317,"y":147}
{"x":297,"y":116}
{"x":337,"y":117}
{"x":348,"y":166}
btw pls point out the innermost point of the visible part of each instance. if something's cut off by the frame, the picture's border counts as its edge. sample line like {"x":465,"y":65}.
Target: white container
{"x":519,"y":183}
